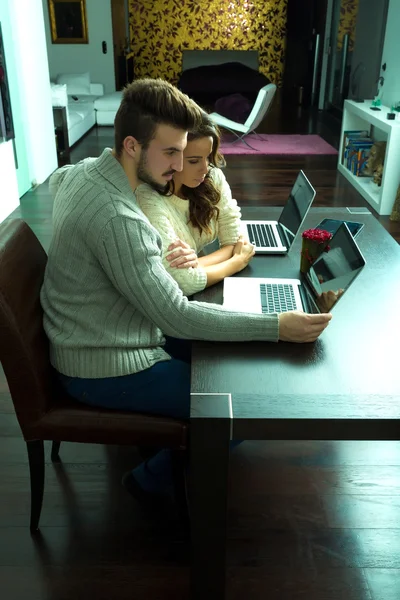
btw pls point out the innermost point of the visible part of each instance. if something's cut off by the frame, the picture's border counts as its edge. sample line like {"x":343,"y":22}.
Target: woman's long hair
{"x":204,"y":198}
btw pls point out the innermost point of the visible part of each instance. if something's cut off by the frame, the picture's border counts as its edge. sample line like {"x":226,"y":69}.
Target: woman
{"x":196,"y":209}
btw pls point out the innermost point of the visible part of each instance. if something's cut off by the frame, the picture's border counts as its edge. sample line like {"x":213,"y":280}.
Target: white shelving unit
{"x":358,"y":115}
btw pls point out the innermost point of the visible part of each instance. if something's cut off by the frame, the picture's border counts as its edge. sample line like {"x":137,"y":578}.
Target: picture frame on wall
{"x":6,"y":118}
{"x":68,"y":21}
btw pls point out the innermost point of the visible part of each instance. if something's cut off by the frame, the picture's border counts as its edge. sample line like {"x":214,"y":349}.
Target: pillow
{"x":77,"y":83}
{"x":234,"y":107}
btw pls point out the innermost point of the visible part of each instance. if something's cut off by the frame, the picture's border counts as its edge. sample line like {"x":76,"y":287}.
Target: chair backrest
{"x":261,"y":106}
{"x":24,"y":348}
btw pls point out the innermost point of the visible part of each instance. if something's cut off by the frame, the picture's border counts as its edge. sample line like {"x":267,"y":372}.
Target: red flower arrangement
{"x":315,"y":241}
{"x":317,"y":235}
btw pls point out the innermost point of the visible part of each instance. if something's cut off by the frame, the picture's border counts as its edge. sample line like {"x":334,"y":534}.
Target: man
{"x":108,"y":301}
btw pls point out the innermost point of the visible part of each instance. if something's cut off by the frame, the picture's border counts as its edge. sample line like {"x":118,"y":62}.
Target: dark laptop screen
{"x":296,"y":208}
{"x":336,"y":269}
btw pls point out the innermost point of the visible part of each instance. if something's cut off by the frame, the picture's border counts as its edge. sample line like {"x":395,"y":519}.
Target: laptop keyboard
{"x":261,"y":235}
{"x":277,"y":297}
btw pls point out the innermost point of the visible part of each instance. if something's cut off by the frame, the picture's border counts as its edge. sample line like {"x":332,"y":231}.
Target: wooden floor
{"x":308,"y":520}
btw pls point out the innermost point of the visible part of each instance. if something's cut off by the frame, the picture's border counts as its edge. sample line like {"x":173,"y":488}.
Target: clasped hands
{"x":182,"y":256}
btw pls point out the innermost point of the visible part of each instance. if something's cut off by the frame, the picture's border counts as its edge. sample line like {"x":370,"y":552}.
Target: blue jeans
{"x":163,"y":389}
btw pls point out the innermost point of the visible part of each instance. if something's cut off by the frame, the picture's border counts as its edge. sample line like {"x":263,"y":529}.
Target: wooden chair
{"x":43,"y":408}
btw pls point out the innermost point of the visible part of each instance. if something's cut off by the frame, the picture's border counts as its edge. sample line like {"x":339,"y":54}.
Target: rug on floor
{"x":277,"y":144}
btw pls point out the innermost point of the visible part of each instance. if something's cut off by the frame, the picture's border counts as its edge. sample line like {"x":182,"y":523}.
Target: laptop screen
{"x":336,"y":269}
{"x":296,"y":208}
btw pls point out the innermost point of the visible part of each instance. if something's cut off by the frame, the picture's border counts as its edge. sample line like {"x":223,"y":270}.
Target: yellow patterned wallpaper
{"x":161,"y":29}
{"x":347,"y":22}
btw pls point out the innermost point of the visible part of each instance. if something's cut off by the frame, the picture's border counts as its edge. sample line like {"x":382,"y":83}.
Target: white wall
{"x":25,"y":52}
{"x":22,"y":173}
{"x":34,"y":87}
{"x":79,"y":58}
{"x":9,"y":198}
{"x":391,"y":54}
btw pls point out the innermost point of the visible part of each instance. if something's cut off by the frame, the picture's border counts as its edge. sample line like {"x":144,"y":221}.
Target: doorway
{"x":305,"y":29}
{"x":354,"y":44}
{"x":123,"y":60}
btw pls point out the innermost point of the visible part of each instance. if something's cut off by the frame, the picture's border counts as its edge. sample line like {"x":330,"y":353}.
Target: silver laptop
{"x":276,"y":237}
{"x":333,"y":271}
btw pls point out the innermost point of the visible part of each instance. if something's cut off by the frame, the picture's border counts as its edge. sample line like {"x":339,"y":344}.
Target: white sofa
{"x":81,"y":114}
{"x":106,"y":108}
{"x":78,"y":95}
{"x":86,"y":103}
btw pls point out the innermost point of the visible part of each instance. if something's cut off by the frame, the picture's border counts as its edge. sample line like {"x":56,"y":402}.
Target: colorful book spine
{"x":363,"y":155}
{"x":357,"y":156}
{"x":352,"y":134}
{"x":353,"y":143}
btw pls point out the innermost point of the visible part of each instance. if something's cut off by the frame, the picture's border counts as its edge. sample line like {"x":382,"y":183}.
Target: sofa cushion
{"x":82,"y":99}
{"x":108,"y":102}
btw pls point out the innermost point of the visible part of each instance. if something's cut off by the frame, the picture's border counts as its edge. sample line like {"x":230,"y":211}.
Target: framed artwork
{"x":6,"y":118}
{"x":68,"y":21}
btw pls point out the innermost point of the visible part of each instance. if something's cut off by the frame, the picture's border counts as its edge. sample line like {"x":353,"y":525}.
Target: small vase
{"x":310,"y":250}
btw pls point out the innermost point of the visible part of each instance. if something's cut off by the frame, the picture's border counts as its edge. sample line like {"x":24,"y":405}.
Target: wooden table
{"x":345,"y":386}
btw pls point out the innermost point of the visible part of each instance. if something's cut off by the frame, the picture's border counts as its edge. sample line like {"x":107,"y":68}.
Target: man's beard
{"x":144,"y":175}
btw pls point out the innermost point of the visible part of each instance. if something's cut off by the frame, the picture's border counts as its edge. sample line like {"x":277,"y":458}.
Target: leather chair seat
{"x":69,"y":420}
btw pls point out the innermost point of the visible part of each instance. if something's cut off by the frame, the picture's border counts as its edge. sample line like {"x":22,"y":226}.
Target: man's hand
{"x":183,"y":256}
{"x":295,"y":326}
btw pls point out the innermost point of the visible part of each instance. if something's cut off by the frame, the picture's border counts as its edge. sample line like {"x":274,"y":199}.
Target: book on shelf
{"x":352,"y":134}
{"x":353,"y":147}
{"x":358,"y":158}
{"x":357,"y":153}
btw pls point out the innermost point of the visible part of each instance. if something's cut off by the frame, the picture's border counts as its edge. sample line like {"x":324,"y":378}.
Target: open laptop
{"x":332,"y":271}
{"x":276,"y":237}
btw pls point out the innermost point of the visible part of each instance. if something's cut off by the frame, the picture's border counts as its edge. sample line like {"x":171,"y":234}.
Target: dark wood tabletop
{"x":346,"y":385}
{"x":350,"y":372}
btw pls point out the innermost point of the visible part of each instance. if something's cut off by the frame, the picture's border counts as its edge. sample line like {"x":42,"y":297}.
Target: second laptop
{"x":276,"y":237}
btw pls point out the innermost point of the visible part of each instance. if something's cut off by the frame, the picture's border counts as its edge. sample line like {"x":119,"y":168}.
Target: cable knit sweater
{"x":170,"y":216}
{"x":106,"y":296}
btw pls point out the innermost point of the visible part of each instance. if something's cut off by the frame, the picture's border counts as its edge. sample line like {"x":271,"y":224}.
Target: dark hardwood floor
{"x":307,"y":521}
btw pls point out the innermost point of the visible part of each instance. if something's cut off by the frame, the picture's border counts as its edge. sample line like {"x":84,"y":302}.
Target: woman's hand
{"x":183,"y":256}
{"x":243,"y":252}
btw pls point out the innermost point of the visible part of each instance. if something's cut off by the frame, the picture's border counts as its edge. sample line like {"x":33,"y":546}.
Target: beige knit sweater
{"x":170,"y":216}
{"x":107,"y":299}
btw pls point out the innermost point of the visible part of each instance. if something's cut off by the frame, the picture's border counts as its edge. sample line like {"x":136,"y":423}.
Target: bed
{"x":191,"y":59}
{"x":209,"y":75}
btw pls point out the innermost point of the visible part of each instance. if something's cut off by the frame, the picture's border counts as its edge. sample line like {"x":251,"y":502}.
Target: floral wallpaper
{"x":161,"y":29}
{"x":347,"y":22}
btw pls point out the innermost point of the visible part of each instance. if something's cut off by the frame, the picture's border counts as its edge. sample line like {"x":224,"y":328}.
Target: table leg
{"x":210,"y":433}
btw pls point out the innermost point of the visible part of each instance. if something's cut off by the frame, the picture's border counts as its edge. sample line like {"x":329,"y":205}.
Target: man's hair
{"x":147,"y":103}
